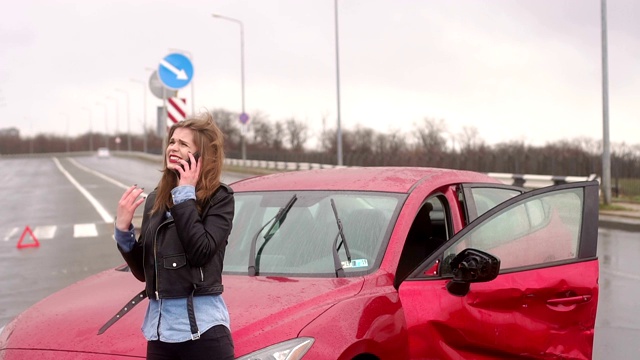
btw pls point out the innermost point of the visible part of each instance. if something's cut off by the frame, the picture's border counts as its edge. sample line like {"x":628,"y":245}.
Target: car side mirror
{"x":470,"y":266}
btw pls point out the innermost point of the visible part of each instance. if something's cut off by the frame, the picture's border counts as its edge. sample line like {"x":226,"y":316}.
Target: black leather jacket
{"x":183,"y":256}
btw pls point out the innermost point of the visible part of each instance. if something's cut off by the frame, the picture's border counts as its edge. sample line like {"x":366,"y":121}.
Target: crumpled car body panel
{"x":526,"y":314}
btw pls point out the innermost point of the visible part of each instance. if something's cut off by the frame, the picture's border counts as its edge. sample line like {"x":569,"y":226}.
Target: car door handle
{"x":573,"y":300}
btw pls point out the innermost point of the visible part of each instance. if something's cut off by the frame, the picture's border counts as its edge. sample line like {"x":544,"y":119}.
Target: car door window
{"x":487,"y":198}
{"x":542,"y":229}
{"x":477,"y":199}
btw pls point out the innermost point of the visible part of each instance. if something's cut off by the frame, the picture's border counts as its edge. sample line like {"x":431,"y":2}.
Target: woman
{"x":179,"y":253}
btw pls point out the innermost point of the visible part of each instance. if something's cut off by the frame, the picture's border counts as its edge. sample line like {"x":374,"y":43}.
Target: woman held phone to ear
{"x":180,"y":249}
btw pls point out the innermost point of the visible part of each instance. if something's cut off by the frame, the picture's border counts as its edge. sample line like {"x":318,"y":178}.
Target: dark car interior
{"x":428,"y":232}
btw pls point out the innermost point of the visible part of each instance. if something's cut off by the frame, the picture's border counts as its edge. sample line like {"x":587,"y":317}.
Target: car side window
{"x":477,"y":199}
{"x":542,"y":229}
{"x":488,"y":198}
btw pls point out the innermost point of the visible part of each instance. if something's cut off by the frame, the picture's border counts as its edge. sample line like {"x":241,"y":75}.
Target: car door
{"x":541,"y":300}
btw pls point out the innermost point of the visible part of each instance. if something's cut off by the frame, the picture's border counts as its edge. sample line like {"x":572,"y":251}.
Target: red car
{"x":371,"y":263}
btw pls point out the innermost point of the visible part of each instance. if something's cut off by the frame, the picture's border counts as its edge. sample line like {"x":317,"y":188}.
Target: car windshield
{"x":297,"y":237}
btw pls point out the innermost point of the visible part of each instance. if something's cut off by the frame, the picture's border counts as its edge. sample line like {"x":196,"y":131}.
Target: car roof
{"x":387,"y":179}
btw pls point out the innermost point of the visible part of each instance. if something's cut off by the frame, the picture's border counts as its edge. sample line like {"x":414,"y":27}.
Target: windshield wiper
{"x":336,"y":258}
{"x":277,"y":219}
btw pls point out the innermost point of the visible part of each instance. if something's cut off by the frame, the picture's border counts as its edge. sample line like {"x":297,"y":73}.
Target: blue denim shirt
{"x":166,"y":319}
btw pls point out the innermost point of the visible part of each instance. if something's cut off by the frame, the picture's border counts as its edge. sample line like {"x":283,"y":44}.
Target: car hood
{"x":267,"y":310}
{"x":263,"y":311}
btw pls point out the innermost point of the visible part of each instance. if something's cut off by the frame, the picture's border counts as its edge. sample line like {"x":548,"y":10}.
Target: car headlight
{"x":293,"y":349}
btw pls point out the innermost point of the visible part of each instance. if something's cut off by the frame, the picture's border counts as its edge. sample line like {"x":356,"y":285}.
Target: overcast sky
{"x":526,"y":70}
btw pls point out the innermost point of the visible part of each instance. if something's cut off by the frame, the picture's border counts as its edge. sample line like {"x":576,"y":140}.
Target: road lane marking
{"x":45,"y":232}
{"x":13,"y":231}
{"x":102,"y":176}
{"x":85,"y":230}
{"x":99,"y":208}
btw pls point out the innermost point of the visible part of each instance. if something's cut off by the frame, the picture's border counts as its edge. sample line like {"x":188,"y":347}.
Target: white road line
{"x":102,"y":176}
{"x":11,"y":233}
{"x":45,"y":232}
{"x":99,"y":208}
{"x":85,"y":230}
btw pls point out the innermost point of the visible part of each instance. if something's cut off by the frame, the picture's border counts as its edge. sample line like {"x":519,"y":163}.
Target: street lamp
{"x":339,"y":131}
{"x":90,"y":129}
{"x":128,"y":120}
{"x":606,"y":147}
{"x":193,"y":99}
{"x":117,"y":121}
{"x":243,"y":116}
{"x":144,"y":114}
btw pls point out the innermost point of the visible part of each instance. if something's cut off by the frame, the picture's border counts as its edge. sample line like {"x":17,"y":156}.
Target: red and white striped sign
{"x":176,"y":110}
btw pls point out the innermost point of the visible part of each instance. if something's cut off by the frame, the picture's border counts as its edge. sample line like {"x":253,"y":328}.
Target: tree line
{"x":427,"y":143}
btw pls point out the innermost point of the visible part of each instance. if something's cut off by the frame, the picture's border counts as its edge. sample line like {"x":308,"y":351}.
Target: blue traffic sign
{"x":244,"y":118}
{"x":175,"y":71}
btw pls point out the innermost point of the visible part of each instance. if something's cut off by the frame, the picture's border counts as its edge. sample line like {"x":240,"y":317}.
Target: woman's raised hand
{"x":127,"y":206}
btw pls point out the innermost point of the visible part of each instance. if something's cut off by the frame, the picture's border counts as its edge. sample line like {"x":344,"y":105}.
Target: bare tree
{"x":328,"y":141}
{"x":470,"y":139}
{"x":391,"y":144}
{"x":362,"y":141}
{"x":229,"y":125}
{"x":297,"y":134}
{"x":431,"y":135}
{"x":263,"y":132}
{"x":278,"y":136}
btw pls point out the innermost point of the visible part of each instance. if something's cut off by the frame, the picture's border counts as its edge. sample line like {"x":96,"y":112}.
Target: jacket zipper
{"x":155,"y":257}
{"x":201,"y":275}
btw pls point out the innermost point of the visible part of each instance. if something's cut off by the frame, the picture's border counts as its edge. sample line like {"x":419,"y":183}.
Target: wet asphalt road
{"x":76,"y":239}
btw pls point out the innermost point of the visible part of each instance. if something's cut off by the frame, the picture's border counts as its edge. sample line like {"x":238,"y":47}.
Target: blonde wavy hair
{"x":210,"y":142}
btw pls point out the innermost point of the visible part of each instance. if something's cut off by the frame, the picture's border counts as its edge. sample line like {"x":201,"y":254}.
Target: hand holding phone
{"x":196,"y":156}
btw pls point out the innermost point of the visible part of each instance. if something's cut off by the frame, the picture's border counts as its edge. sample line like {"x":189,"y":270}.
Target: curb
{"x":619,"y":223}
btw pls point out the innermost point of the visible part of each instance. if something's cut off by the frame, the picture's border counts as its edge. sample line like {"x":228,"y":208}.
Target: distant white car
{"x":103,"y":152}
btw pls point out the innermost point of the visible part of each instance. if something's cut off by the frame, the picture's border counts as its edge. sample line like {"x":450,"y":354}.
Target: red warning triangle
{"x":35,"y":242}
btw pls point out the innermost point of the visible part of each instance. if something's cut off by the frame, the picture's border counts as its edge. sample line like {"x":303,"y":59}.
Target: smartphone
{"x":196,"y":155}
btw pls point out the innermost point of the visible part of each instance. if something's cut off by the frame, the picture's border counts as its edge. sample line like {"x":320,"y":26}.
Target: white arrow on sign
{"x":180,"y":74}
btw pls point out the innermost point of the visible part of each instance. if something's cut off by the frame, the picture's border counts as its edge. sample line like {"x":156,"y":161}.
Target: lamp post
{"x":117,"y":121}
{"x":106,"y":124}
{"x":90,"y":129}
{"x":193,"y":99}
{"x":144,"y":114}
{"x":606,"y":147}
{"x":243,"y":116}
{"x":128,"y":120}
{"x":339,"y":131}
